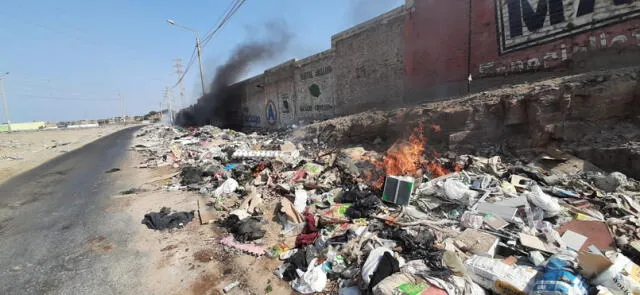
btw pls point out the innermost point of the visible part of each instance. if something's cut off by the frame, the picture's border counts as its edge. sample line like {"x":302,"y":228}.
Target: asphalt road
{"x":55,"y":235}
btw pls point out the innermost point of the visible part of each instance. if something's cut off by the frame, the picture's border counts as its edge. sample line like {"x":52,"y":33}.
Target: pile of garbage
{"x":410,"y":221}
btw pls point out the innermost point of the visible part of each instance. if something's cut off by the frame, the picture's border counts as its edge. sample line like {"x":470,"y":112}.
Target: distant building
{"x":27,"y":126}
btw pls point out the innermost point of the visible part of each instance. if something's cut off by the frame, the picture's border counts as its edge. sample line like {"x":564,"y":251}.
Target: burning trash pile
{"x":411,"y":221}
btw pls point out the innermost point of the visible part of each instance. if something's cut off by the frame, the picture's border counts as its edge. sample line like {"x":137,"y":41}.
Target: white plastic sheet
{"x":227,"y":187}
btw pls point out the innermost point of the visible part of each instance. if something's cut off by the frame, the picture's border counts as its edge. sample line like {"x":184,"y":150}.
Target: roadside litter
{"x":164,"y":219}
{"x":408,"y":220}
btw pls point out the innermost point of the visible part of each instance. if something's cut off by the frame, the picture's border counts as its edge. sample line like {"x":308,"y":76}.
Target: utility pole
{"x":167,"y":98}
{"x":5,"y":105}
{"x":180,"y":72}
{"x":171,"y":22}
{"x":200,"y":63}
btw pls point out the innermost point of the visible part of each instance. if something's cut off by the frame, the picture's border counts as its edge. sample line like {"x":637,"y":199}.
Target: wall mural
{"x":314,"y":90}
{"x":319,"y":72}
{"x":271,"y":112}
{"x":527,"y":23}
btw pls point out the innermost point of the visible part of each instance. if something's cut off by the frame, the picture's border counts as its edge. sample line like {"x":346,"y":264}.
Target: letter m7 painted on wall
{"x":527,"y":23}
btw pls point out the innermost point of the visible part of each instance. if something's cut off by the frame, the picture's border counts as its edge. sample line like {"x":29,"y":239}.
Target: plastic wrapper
{"x":470,"y":220}
{"x":499,"y":277}
{"x":457,"y":190}
{"x":560,"y":277}
{"x":548,"y":203}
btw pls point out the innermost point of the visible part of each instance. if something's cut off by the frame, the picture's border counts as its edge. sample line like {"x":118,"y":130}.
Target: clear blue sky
{"x":88,"y":51}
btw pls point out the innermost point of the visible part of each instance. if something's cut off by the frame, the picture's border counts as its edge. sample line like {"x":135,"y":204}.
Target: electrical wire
{"x":187,"y":68}
{"x":210,"y":36}
{"x":234,"y":7}
{"x":232,"y":4}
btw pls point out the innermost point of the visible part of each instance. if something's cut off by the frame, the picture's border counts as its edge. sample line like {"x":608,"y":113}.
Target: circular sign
{"x":271,"y":112}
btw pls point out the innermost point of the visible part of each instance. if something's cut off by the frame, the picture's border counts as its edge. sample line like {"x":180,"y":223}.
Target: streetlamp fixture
{"x":171,"y":22}
{"x":5,"y":106}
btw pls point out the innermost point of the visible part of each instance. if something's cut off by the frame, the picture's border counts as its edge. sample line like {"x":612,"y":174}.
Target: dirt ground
{"x":191,"y":260}
{"x":22,"y":151}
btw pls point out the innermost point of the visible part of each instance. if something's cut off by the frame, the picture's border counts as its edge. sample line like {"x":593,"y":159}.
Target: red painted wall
{"x":436,"y":45}
{"x":567,"y":34}
{"x":487,"y":58}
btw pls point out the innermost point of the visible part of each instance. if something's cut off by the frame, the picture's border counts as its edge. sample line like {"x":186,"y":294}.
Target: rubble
{"x":409,"y":220}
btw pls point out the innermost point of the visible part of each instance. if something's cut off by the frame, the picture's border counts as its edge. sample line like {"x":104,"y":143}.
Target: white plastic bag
{"x":301,"y":200}
{"x":227,"y":187}
{"x":371,"y":264}
{"x":548,"y":203}
{"x":455,"y":189}
{"x":618,"y":277}
{"x":314,"y":280}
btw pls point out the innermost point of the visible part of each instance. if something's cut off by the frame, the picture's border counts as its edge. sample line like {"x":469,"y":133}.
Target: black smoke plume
{"x":221,"y":105}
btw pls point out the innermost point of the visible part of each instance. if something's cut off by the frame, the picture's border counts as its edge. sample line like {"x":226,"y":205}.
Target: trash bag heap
{"x":411,"y":221}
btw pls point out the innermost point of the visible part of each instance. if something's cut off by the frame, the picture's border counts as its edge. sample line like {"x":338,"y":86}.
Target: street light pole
{"x":5,"y":105}
{"x":200,"y":63}
{"x":171,"y":22}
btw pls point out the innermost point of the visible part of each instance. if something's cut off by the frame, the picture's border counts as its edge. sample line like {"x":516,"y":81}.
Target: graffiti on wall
{"x":564,"y":52}
{"x":252,"y":119}
{"x":271,"y":112}
{"x":317,"y":108}
{"x":527,"y":23}
{"x":314,"y":90}
{"x":317,"y":73}
{"x":284,"y":98}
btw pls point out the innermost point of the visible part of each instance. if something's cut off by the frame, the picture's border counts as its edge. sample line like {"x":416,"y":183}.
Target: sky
{"x":73,"y":60}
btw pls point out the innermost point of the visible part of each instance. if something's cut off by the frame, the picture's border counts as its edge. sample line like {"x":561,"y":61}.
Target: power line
{"x":235,"y":6}
{"x":186,"y":70}
{"x":208,"y":38}
{"x":232,"y":4}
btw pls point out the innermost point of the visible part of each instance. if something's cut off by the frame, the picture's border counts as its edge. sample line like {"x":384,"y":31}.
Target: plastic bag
{"x":311,"y":281}
{"x":470,"y":220}
{"x":371,"y":264}
{"x":227,"y":187}
{"x":499,"y":277}
{"x":560,"y":277}
{"x":301,"y":200}
{"x":455,"y":189}
{"x":548,"y":203}
{"x":551,"y":234}
{"x":619,"y":278}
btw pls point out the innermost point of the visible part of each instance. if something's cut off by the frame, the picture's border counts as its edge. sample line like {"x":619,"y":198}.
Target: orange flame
{"x":405,"y":158}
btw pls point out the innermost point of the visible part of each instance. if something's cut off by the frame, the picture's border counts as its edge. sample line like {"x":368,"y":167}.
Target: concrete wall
{"x":369,"y":63}
{"x":364,"y":68}
{"x":437,"y":49}
{"x":279,"y":91}
{"x":510,"y":41}
{"x":315,"y":87}
{"x":253,"y":102}
{"x":425,"y":50}
{"x":576,"y":34}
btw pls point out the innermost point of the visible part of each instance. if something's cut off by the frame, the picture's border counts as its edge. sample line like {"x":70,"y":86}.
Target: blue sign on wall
{"x":271,"y":112}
